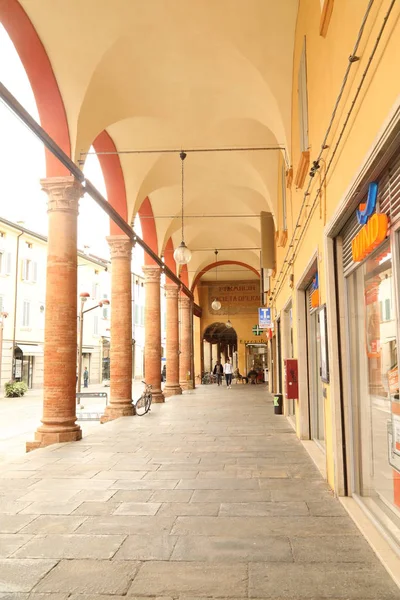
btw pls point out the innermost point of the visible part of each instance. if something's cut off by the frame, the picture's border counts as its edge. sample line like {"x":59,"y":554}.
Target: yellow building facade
{"x":338,"y":315}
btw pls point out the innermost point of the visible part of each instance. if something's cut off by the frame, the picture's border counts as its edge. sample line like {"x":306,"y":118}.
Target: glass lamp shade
{"x":215,"y":304}
{"x":228,"y":324}
{"x":182,"y":254}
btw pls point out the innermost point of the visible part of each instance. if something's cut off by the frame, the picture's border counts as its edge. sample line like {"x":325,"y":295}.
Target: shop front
{"x":371,"y":252}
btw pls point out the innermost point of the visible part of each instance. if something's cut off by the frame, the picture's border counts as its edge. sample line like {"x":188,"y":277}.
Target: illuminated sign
{"x":315,"y":292}
{"x":375,"y":227}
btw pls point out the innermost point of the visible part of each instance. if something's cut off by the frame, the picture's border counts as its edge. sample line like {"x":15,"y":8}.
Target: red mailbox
{"x":291,"y":379}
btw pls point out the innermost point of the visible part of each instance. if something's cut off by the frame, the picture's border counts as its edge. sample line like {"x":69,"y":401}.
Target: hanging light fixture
{"x":228,"y":324}
{"x":216,"y":304}
{"x":182,"y":254}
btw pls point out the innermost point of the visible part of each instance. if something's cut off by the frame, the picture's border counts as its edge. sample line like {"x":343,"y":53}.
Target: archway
{"x":219,"y":343}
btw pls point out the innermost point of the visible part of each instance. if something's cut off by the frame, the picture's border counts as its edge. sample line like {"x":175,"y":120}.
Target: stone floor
{"x":208,"y":496}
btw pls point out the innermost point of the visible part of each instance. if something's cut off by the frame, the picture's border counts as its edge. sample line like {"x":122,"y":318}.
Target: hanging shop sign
{"x":375,"y":226}
{"x":264,"y":317}
{"x":314,"y":292}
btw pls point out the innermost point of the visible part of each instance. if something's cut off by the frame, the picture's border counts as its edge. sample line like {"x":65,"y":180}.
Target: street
{"x":19,"y":417}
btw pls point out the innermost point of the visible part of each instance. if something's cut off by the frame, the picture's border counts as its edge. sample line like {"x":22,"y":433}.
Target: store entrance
{"x":257,"y":360}
{"x":375,"y":387}
{"x":315,"y":384}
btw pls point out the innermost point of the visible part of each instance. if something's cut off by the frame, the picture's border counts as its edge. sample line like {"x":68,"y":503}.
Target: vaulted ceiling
{"x":179,"y":74}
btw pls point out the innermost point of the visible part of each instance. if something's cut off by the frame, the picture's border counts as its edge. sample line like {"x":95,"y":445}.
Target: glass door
{"x":375,"y":387}
{"x":315,"y":384}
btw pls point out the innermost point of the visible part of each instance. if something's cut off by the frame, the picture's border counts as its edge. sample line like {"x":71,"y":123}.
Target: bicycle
{"x":142,"y":404}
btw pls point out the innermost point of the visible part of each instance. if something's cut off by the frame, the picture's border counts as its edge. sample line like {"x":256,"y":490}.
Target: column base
{"x":115,"y":411}
{"x":157,"y":397}
{"x":173,"y":389}
{"x":186,"y":385}
{"x":45,"y":438}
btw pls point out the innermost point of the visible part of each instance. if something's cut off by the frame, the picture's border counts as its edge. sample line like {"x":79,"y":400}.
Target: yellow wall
{"x":327,"y":60}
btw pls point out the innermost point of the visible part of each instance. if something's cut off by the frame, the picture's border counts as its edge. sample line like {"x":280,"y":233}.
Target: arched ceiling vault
{"x":175,"y":74}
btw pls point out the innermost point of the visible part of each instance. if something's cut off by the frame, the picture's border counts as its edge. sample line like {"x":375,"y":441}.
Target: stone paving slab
{"x":71,"y":546}
{"x":91,"y":577}
{"x":232,"y":549}
{"x":339,"y":580}
{"x":203,"y":579}
{"x":209,"y":497}
{"x":22,"y":575}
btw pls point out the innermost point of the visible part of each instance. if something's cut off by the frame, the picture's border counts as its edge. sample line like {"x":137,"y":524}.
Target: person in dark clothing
{"x":218,"y":371}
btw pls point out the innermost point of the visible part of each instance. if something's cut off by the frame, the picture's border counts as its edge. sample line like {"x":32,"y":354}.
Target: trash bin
{"x":278,"y":404}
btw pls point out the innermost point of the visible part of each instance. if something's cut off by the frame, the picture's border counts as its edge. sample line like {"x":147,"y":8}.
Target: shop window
{"x":375,"y":387}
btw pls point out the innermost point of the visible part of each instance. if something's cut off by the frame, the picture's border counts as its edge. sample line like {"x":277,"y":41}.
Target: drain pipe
{"x":15,"y":309}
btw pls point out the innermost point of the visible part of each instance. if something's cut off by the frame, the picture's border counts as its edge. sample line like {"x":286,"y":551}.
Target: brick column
{"x":152,"y":331}
{"x":185,"y":366}
{"x":60,"y":337}
{"x":172,"y":387}
{"x":121,"y":330}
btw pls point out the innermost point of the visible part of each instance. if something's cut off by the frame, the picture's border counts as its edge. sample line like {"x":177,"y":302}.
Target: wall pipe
{"x":329,"y":164}
{"x":15,"y":308}
{"x":55,"y":149}
{"x":352,"y":59}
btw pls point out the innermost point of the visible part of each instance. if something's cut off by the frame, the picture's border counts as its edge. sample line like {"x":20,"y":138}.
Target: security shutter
{"x":388,"y":202}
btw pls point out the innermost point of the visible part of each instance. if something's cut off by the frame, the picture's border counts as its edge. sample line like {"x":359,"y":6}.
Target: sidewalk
{"x":20,"y":417}
{"x":210,"y":495}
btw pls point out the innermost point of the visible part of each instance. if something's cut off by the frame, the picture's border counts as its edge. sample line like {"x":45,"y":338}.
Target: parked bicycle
{"x":142,"y":404}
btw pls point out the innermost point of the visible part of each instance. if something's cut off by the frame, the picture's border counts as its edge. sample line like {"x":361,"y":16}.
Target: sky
{"x":22,"y":165}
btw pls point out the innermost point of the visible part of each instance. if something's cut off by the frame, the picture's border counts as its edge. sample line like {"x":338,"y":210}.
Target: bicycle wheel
{"x":141,"y":406}
{"x":148,"y":400}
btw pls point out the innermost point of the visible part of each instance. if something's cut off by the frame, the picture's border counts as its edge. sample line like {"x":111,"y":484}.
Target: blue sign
{"x":365,"y":210}
{"x":264,"y":318}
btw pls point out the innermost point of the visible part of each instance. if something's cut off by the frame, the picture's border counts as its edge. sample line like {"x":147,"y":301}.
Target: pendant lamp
{"x":182,"y":254}
{"x":216,"y":304}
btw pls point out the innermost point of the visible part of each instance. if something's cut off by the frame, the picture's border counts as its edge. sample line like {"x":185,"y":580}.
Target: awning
{"x":31,"y":350}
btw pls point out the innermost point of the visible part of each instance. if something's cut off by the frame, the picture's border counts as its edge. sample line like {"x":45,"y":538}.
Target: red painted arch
{"x":43,"y":82}
{"x":220,"y":263}
{"x":148,"y":229}
{"x":113,"y":177}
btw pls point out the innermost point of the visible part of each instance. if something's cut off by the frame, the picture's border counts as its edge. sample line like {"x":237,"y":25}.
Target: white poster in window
{"x":18,"y":368}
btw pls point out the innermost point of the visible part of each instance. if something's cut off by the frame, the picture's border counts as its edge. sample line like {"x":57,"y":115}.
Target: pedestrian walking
{"x":218,"y":371}
{"x":228,"y":372}
{"x":86,"y":378}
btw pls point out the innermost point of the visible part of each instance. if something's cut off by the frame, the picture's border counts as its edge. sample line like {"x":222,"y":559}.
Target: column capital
{"x":152,"y":273}
{"x":120,"y":246}
{"x":171,"y":290}
{"x":185,"y":301}
{"x":63,"y":193}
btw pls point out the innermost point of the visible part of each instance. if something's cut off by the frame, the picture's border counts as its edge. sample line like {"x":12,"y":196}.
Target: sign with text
{"x":236,"y":297}
{"x":264,"y":318}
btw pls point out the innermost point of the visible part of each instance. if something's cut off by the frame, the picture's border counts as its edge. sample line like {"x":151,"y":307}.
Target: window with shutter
{"x":26,"y":314}
{"x":34,"y":271}
{"x":302,"y":100}
{"x":8,"y":263}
